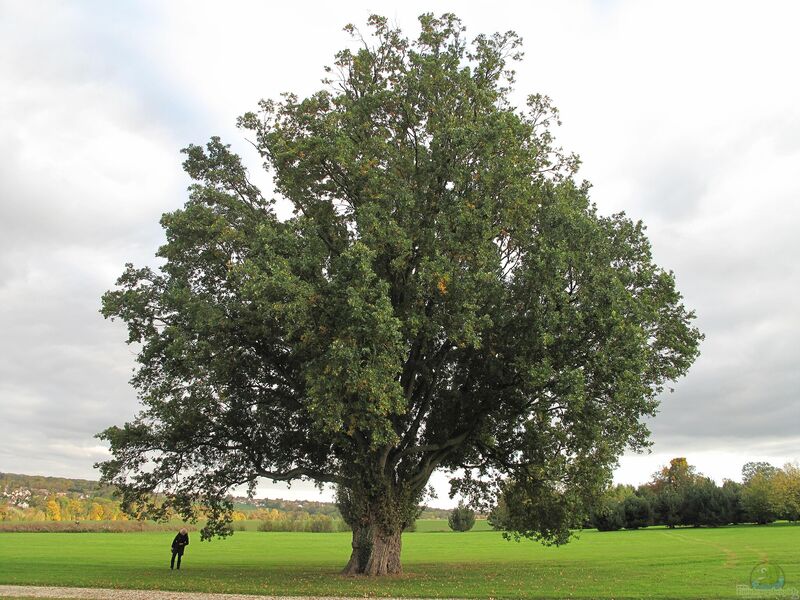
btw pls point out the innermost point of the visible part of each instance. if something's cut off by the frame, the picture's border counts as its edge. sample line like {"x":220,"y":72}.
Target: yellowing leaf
{"x":442,"y":285}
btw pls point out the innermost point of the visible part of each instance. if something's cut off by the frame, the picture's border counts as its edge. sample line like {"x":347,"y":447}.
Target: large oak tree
{"x":445,"y":296}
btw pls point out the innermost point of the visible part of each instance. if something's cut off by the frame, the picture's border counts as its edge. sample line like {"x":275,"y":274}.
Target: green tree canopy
{"x":759,"y":494}
{"x":445,"y":296}
{"x":676,"y":476}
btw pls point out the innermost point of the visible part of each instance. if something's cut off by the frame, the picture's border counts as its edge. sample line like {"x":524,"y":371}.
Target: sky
{"x":685,"y":114}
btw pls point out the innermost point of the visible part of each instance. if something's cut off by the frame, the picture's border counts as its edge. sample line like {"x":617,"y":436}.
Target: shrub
{"x":462,"y":518}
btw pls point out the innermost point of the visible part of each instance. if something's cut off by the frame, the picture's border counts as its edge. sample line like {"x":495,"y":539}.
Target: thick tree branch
{"x":298,"y":472}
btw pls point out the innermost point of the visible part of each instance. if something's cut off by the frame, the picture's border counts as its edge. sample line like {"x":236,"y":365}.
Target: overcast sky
{"x":685,"y":114}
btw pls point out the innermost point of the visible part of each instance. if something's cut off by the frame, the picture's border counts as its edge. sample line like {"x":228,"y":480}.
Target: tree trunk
{"x":375,"y":552}
{"x":378,"y":509}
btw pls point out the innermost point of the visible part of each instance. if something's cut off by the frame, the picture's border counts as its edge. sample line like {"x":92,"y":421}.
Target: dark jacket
{"x":180,"y":542}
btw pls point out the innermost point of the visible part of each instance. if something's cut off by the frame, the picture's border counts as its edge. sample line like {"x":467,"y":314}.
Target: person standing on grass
{"x":178,"y":544}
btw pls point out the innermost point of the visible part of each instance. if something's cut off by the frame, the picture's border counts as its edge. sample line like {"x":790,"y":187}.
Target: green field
{"x":656,"y":562}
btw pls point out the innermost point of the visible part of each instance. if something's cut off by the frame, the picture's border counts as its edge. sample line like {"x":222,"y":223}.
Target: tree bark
{"x":375,"y":552}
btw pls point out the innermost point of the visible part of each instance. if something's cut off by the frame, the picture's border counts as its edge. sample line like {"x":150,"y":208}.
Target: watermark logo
{"x":767,"y":581}
{"x":766,"y":576}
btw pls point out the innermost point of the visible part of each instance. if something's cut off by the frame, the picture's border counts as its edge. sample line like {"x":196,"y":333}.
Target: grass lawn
{"x":655,"y":562}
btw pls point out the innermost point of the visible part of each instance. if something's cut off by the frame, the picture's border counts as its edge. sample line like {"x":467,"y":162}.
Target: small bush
{"x":462,"y":518}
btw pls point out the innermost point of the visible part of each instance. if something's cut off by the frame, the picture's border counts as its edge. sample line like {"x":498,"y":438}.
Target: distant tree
{"x":676,"y":494}
{"x":667,"y":507}
{"x":621,"y":491}
{"x":704,"y":504}
{"x":754,"y":469}
{"x":75,"y":509}
{"x":759,"y":497}
{"x":272,"y":514}
{"x":498,"y":514}
{"x":636,"y":512}
{"x":445,"y":295}
{"x":607,"y":515}
{"x":786,"y":484}
{"x":677,"y":475}
{"x":733,"y":494}
{"x":462,"y":518}
{"x":95,"y":512}
{"x":320,"y":523}
{"x":53,"y":510}
{"x":63,"y":503}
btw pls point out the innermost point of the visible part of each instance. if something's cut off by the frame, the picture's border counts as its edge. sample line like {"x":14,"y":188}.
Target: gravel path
{"x":29,"y":591}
